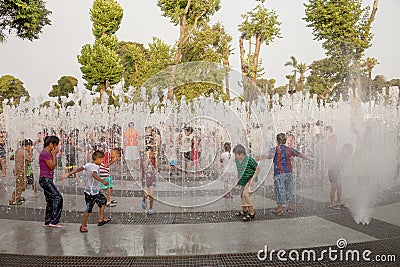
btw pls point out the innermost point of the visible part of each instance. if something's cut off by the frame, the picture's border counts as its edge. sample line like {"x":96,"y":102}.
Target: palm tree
{"x":302,"y":68}
{"x":293,"y":64}
{"x":291,"y":90}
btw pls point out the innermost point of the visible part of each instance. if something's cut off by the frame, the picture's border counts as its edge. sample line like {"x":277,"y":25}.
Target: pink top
{"x":44,"y":169}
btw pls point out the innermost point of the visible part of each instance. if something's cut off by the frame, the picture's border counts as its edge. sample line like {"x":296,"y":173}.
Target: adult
{"x":23,"y":155}
{"x":186,"y":141}
{"x":3,"y":152}
{"x":331,"y":162}
{"x":47,"y":164}
{"x":131,"y":142}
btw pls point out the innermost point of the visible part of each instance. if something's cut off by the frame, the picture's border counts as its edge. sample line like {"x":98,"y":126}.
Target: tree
{"x":186,"y":13}
{"x":27,"y":18}
{"x":344,"y":27}
{"x":262,"y":25}
{"x":368,"y":65}
{"x":65,"y":86}
{"x":293,"y":63}
{"x":141,"y":63}
{"x":106,"y":16}
{"x":302,"y":68}
{"x":323,"y":78}
{"x":12,"y":88}
{"x":101,"y":65}
{"x":208,"y":44}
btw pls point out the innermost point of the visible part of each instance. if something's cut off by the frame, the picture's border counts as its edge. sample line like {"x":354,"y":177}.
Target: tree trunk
{"x":255,"y":60}
{"x":177,"y":58}
{"x":226,"y":66}
{"x":253,"y":84}
{"x":358,"y":54}
{"x":242,"y":64}
{"x":103,"y":88}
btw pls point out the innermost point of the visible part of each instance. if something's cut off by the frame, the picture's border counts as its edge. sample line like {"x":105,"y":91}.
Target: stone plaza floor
{"x":195,"y":235}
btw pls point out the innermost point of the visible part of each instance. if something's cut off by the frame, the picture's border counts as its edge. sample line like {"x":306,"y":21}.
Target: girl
{"x":47,"y":164}
{"x":228,"y":165}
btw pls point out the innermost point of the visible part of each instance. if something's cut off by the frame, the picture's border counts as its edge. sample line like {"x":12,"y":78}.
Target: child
{"x":172,"y":157}
{"x":47,"y":164}
{"x":283,"y":173}
{"x":228,"y":171}
{"x":92,"y":191}
{"x":115,"y":154}
{"x":248,"y":170}
{"x":30,"y":179}
{"x":147,"y":164}
{"x":23,"y":155}
{"x":344,"y":169}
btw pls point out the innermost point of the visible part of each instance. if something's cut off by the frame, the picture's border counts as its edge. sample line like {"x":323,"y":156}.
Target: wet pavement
{"x":204,"y":233}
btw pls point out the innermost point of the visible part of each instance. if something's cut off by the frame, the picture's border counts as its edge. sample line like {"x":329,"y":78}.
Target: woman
{"x":47,"y":164}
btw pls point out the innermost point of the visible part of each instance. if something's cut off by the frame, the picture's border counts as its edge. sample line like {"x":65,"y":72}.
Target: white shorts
{"x":132,"y":153}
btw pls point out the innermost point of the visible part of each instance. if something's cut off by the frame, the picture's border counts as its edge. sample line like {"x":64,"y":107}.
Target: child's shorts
{"x":90,"y":200}
{"x":173,"y":162}
{"x":110,"y":181}
{"x":333,"y":176}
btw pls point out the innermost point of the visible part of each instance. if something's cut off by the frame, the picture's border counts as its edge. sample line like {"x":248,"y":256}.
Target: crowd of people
{"x":184,"y":151}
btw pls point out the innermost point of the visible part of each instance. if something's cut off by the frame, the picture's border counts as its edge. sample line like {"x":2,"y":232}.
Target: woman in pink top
{"x":47,"y":164}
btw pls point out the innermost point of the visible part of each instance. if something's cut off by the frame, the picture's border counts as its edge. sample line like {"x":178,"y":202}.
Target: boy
{"x":23,"y":156}
{"x":147,"y":164}
{"x":109,"y":159}
{"x":283,"y":173}
{"x":92,"y":191}
{"x":248,"y":170}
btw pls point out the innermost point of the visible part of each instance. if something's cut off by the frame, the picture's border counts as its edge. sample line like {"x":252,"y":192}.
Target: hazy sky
{"x":39,"y":64}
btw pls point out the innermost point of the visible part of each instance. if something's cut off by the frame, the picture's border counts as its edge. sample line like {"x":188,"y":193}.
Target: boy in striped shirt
{"x":283,"y":173}
{"x":248,"y":170}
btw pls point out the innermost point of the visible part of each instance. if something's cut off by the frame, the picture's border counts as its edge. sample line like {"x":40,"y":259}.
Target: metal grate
{"x":381,"y":247}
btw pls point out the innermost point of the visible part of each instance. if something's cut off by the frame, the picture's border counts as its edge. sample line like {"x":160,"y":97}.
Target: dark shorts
{"x":2,"y":151}
{"x":333,"y":176}
{"x":90,"y":200}
{"x":187,"y":155}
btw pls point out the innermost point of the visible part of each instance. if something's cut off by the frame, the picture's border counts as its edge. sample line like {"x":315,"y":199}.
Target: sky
{"x":39,"y":64}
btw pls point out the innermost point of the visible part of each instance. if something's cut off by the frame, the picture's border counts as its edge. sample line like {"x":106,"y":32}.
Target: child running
{"x":92,"y":190}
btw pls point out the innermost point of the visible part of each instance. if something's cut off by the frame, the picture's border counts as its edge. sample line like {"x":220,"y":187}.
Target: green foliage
{"x":260,"y":22}
{"x":27,"y":18}
{"x":141,"y":63}
{"x":106,"y":16}
{"x":12,"y":88}
{"x":323,"y":77}
{"x":342,"y":25}
{"x":101,"y":64}
{"x":207,"y":43}
{"x":262,"y":25}
{"x":65,"y":86}
{"x":196,"y":10}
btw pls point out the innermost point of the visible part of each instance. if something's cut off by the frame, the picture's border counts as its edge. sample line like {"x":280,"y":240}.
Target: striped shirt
{"x":246,"y":169}
{"x":105,"y":171}
{"x":283,"y":158}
